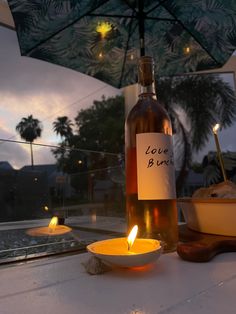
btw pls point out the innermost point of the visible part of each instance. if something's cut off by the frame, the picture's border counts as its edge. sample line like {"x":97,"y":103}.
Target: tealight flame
{"x":53,"y":223}
{"x":216,"y":128}
{"x":132,"y":236}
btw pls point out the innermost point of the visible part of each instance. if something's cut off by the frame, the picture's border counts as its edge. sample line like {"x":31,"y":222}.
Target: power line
{"x":76,"y":102}
{"x":64,"y":147}
{"x":119,"y":167}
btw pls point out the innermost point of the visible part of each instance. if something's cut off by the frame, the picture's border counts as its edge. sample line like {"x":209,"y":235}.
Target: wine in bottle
{"x":150,"y":173}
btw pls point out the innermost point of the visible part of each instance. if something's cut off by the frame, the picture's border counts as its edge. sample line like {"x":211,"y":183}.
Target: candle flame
{"x":216,"y":128}
{"x":53,"y":223}
{"x":132,"y":236}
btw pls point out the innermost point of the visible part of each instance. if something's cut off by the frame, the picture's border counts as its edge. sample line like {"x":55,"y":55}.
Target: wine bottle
{"x":150,"y":173}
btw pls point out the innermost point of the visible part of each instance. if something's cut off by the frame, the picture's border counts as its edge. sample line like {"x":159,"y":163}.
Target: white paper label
{"x":155,"y":166}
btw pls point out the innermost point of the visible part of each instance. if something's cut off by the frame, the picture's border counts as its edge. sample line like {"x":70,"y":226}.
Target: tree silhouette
{"x":63,"y":127}
{"x":195,"y":104}
{"x":97,"y":128}
{"x":212,"y":171}
{"x":29,"y":129}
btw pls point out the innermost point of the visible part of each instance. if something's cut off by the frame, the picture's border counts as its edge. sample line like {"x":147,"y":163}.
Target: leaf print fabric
{"x":181,"y":35}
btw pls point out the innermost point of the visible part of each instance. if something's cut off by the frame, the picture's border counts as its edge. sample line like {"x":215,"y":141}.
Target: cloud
{"x":43,"y":155}
{"x":30,"y":86}
{"x":14,"y":153}
{"x":27,"y":76}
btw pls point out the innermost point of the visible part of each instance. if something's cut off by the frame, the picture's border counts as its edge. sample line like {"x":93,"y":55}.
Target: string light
{"x":103,"y":28}
{"x":187,"y":50}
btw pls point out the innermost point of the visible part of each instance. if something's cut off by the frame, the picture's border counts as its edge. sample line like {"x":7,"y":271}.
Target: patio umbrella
{"x":104,"y":38}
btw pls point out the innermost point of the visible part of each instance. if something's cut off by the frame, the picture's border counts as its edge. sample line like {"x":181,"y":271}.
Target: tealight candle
{"x":127,"y":252}
{"x":53,"y":229}
{"x":215,"y":129}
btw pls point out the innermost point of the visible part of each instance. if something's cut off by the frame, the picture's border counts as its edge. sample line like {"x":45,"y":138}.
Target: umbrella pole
{"x":141,"y":27}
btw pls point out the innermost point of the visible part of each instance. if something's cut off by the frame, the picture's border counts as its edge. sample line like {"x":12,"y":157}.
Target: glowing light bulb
{"x":187,"y":50}
{"x":103,"y":28}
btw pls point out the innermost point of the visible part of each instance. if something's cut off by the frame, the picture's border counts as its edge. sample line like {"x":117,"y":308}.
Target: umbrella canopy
{"x":104,"y":38}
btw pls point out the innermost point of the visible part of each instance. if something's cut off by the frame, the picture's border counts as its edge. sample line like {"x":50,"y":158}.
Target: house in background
{"x":56,"y":179}
{"x":193,"y":182}
{"x":25,"y":193}
{"x":7,"y":190}
{"x":5,"y":166}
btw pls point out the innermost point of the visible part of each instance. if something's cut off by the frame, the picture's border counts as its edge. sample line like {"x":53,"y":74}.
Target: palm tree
{"x":195,"y":104}
{"x":212,"y":171}
{"x":63,"y":127}
{"x":29,"y":129}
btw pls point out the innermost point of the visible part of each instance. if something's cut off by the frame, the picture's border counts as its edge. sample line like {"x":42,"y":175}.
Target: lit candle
{"x":53,"y":229}
{"x":115,"y":251}
{"x":215,"y":129}
{"x":53,"y":223}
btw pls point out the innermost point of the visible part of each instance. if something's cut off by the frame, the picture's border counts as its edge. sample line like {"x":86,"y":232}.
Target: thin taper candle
{"x":215,"y":128}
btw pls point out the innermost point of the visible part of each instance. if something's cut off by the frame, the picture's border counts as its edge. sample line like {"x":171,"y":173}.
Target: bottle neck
{"x":147,"y":91}
{"x":146,"y":79}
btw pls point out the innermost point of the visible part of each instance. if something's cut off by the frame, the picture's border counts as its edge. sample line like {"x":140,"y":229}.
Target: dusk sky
{"x":47,"y":91}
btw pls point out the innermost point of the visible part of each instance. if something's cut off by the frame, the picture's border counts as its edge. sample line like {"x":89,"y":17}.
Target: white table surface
{"x":60,"y":285}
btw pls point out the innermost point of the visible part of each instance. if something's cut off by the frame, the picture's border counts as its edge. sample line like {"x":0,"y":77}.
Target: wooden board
{"x":201,"y":247}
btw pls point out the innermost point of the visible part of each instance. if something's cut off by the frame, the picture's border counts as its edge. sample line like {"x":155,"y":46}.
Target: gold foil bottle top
{"x":146,"y":71}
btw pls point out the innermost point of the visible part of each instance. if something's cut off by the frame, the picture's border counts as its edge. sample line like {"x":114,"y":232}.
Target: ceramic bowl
{"x":214,"y":215}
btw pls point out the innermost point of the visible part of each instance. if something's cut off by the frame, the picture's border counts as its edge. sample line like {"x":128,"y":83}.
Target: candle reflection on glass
{"x":53,"y":223}
{"x":94,"y":218}
{"x":53,"y":229}
{"x":215,"y":129}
